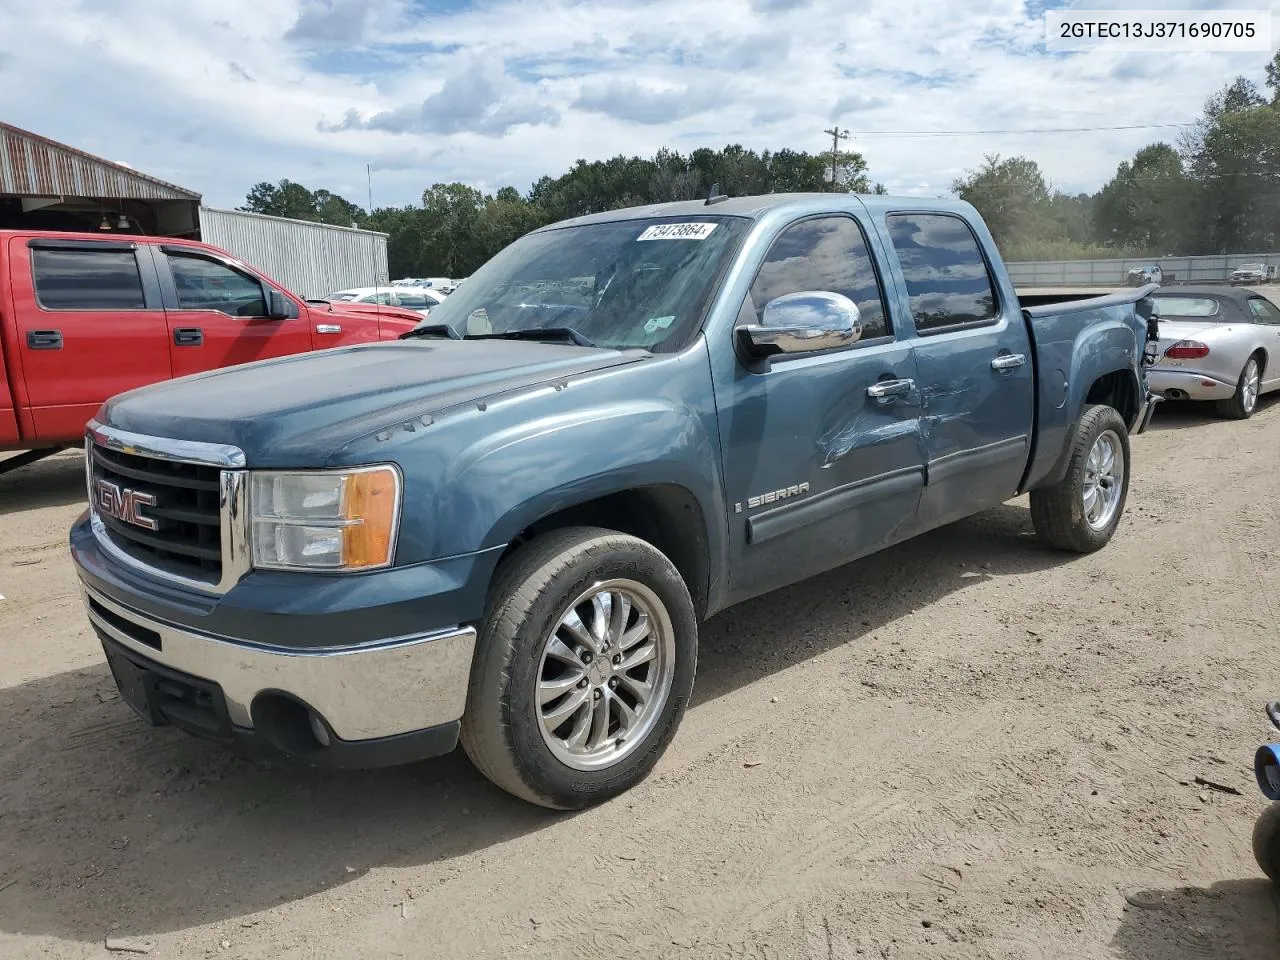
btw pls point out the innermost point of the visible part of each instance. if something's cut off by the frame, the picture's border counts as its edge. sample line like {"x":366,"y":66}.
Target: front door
{"x":90,"y":325}
{"x":822,"y":454}
{"x":217,"y":314}
{"x":973,"y":354}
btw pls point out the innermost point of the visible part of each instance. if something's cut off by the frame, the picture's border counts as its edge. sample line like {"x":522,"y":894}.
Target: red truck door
{"x":217,"y":312}
{"x":88,"y":324}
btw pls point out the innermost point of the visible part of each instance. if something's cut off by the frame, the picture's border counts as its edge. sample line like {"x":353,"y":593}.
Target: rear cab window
{"x":87,"y":279}
{"x":949,"y":285}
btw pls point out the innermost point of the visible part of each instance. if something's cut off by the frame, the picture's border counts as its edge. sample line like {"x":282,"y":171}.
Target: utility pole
{"x":836,"y":135}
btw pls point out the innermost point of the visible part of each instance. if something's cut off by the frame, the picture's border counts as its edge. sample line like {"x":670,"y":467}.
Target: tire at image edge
{"x":499,"y":728}
{"x":1266,"y":841}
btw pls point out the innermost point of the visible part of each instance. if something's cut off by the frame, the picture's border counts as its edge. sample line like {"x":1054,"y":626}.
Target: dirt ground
{"x":965,"y":747}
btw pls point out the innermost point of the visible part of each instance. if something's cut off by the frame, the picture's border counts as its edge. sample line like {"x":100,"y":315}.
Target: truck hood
{"x":300,"y":410}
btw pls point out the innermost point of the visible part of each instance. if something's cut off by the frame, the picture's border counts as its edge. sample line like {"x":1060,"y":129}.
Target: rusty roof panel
{"x":34,"y":166}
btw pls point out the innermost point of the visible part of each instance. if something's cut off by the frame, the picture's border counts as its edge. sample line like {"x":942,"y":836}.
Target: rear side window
{"x":415,"y":301}
{"x":87,"y":280}
{"x":1187,"y":306}
{"x":828,"y":254}
{"x":947,"y":279}
{"x":206,"y":285}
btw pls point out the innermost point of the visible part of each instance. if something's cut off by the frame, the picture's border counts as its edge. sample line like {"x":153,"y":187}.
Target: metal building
{"x":311,"y":259}
{"x":45,"y":185}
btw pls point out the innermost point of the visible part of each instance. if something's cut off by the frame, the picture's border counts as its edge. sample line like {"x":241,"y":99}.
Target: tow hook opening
{"x":289,"y":725}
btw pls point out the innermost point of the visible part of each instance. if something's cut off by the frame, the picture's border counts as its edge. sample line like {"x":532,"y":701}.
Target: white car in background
{"x":1252,"y":273}
{"x":421,"y":299}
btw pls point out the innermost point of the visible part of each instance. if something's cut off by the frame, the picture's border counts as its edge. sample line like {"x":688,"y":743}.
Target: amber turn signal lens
{"x":370,"y":507}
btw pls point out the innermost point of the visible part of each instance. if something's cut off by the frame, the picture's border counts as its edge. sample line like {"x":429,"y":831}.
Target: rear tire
{"x":554,"y":714}
{"x":1065,"y":515}
{"x":1245,"y":401}
{"x":1266,"y":842}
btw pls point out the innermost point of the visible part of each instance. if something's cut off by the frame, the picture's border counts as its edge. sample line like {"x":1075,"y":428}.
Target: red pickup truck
{"x":85,"y":317}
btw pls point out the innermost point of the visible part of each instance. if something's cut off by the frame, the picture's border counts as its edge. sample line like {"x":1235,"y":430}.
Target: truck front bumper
{"x":369,"y":705}
{"x":218,"y":668}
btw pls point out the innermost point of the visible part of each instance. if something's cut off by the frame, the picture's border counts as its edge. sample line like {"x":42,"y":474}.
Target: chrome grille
{"x":174,"y":508}
{"x":187,"y":539}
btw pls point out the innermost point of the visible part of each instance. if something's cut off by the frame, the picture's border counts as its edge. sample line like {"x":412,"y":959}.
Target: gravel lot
{"x":964,"y":747}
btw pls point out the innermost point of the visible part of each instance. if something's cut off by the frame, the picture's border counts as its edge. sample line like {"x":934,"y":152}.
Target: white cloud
{"x":219,"y":94}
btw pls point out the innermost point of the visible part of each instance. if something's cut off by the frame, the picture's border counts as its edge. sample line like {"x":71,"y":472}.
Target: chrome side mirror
{"x":803,"y":322}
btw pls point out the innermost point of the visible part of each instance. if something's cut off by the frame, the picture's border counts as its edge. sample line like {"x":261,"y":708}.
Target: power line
{"x":885,"y":134}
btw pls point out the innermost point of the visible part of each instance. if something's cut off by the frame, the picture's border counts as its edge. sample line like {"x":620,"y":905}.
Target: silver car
{"x":1216,"y":343}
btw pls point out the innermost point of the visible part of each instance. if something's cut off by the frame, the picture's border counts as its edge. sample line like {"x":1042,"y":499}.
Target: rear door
{"x":89,"y":325}
{"x":217,"y":313}
{"x":973,"y":354}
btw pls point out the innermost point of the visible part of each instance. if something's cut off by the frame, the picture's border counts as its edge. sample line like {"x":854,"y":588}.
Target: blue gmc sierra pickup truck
{"x":506,"y":527}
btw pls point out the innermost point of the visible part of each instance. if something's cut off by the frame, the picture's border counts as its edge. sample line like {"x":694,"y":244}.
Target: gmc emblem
{"x":124,"y":504}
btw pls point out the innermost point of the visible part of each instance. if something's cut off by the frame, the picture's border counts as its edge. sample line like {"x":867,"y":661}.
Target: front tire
{"x":1266,"y":842}
{"x":584,"y":666}
{"x":1245,"y":401}
{"x":1080,"y":513}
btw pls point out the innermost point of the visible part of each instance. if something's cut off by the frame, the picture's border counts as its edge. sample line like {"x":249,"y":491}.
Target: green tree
{"x":293,"y":200}
{"x":1273,"y":77}
{"x":1013,"y":198}
{"x":1146,"y":205}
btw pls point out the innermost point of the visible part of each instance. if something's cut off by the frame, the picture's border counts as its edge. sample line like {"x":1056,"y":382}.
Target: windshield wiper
{"x":536,"y":333}
{"x":432,"y":330}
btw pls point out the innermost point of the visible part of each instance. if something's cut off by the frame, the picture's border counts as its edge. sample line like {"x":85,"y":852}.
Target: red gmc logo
{"x":124,"y":504}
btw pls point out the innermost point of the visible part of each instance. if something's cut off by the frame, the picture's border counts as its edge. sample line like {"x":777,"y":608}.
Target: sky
{"x":216,"y":95}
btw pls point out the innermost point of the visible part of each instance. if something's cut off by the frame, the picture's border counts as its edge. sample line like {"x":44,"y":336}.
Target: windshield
{"x":627,"y":284}
{"x":1200,"y":307}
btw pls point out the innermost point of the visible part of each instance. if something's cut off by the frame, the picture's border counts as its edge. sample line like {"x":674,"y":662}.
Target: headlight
{"x":321,"y":520}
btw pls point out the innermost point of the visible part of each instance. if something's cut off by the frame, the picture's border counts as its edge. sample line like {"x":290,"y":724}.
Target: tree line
{"x":1217,"y":190}
{"x":458,"y":227}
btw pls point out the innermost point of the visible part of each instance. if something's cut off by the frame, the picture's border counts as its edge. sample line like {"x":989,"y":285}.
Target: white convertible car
{"x":1216,"y":343}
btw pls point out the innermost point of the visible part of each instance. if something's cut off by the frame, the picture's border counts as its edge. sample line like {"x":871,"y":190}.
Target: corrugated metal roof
{"x":35,"y":166}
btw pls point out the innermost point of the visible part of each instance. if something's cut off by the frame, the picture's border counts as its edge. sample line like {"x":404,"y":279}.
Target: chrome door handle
{"x":1007,"y":361}
{"x":890,"y":388}
{"x":328,"y":328}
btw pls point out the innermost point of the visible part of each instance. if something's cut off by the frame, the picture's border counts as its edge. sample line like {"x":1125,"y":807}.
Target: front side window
{"x":1263,"y":310}
{"x":828,"y":254}
{"x":87,"y":280}
{"x":207,"y":285}
{"x":947,"y":279}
